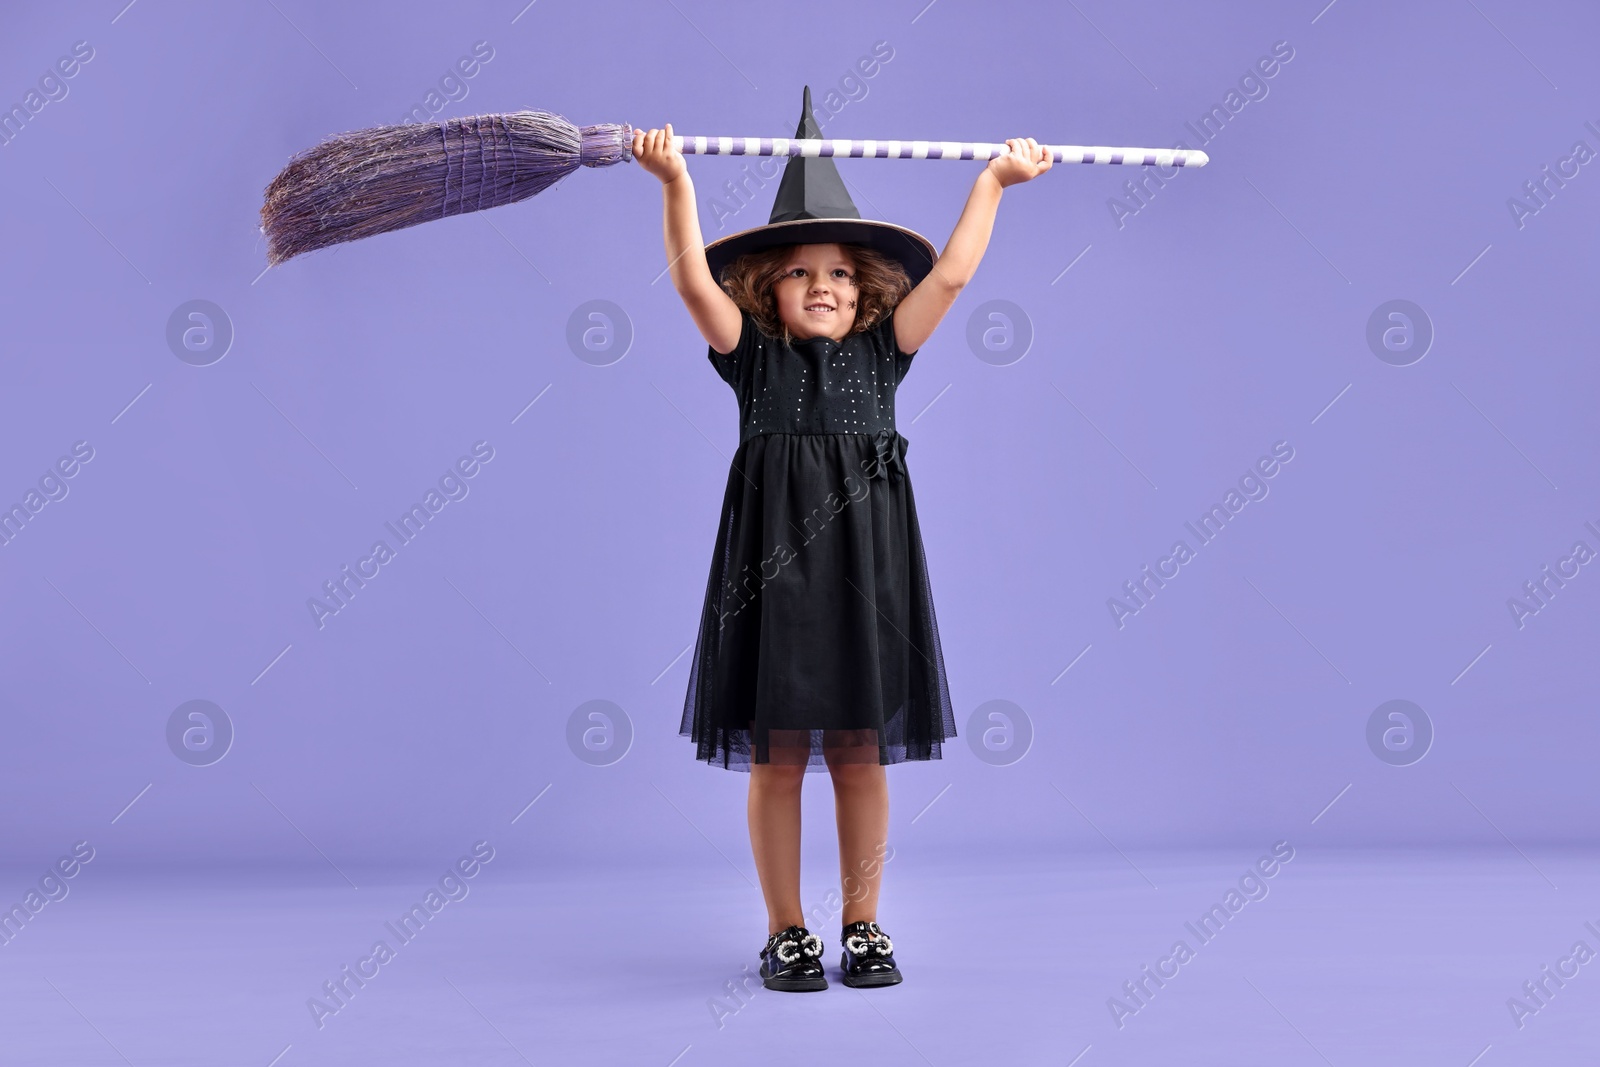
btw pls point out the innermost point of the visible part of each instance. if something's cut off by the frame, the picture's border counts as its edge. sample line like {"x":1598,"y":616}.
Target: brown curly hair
{"x":880,"y":282}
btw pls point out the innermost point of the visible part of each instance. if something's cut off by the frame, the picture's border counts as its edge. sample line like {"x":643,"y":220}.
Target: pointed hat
{"x":813,"y":207}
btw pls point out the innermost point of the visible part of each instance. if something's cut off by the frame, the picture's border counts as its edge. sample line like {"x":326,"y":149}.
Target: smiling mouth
{"x":819,"y":307}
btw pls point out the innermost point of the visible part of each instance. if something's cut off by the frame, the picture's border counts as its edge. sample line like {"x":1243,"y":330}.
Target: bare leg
{"x":861,"y":807}
{"x":775,"y":839}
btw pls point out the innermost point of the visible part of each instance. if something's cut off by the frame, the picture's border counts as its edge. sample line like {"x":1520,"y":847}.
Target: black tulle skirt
{"x":817,"y":639}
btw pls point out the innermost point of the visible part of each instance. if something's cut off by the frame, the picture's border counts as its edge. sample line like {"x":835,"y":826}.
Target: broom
{"x":371,"y":181}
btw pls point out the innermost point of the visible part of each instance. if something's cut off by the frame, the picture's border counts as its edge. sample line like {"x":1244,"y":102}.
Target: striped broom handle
{"x":844,"y":148}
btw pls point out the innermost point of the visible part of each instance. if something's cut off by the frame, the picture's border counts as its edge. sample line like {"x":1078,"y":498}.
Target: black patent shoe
{"x":868,"y":958}
{"x":792,"y":961}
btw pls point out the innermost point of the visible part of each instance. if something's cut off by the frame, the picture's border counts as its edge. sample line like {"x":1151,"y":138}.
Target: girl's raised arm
{"x":922,"y":309}
{"x":713,"y":310}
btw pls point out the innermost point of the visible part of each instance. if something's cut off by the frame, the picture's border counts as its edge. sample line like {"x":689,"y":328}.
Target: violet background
{"x":1229,"y":313}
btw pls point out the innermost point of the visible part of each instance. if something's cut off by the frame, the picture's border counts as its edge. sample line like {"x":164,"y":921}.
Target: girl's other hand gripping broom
{"x":653,"y":150}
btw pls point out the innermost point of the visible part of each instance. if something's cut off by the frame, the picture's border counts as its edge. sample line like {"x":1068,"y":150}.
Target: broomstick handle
{"x":876,"y":149}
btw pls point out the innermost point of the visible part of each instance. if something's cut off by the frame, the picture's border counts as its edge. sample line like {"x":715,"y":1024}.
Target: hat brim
{"x":914,"y":252}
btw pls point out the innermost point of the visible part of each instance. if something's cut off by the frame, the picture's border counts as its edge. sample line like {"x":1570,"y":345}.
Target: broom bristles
{"x":372,"y":181}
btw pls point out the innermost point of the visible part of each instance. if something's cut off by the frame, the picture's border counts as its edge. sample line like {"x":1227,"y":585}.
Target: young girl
{"x":817,"y":643}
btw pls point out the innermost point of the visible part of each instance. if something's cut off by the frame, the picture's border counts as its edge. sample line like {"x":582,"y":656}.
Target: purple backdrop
{"x":235,"y":455}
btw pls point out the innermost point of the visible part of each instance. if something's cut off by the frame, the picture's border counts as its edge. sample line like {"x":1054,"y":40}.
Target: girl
{"x":817,"y":643}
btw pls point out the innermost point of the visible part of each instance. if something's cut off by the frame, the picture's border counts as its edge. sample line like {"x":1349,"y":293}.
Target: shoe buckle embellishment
{"x":791,"y":950}
{"x":861,"y":946}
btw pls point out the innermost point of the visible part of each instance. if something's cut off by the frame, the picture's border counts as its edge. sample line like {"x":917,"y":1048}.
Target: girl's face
{"x":817,"y":292}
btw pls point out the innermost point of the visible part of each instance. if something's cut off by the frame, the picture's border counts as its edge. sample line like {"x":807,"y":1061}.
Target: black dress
{"x":817,"y":637}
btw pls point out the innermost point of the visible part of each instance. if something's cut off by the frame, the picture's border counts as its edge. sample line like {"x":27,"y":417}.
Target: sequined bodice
{"x":814,"y":385}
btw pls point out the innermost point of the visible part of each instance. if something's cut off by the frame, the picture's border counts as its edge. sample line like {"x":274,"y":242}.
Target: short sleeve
{"x":732,"y":367}
{"x":902,"y":360}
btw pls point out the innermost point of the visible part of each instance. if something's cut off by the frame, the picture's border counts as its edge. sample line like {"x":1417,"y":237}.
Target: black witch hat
{"x":813,"y":207}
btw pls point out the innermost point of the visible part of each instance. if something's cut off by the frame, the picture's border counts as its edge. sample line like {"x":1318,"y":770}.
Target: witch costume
{"x":817,"y":637}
